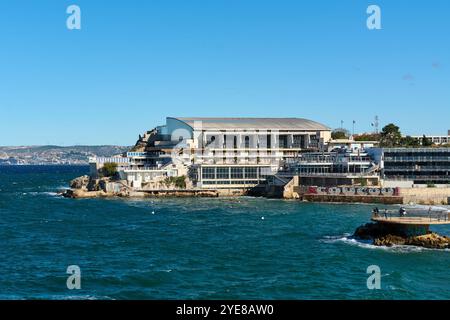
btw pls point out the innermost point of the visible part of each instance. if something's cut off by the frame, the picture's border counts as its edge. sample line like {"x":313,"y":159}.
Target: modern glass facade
{"x":421,"y":165}
{"x":331,"y":163}
{"x":233,"y":175}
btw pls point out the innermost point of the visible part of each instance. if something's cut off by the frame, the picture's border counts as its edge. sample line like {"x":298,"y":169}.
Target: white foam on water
{"x":367,"y":244}
{"x":48,"y":193}
{"x":81,"y":297}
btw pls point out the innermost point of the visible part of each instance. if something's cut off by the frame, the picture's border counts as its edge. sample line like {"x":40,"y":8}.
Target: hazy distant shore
{"x":56,"y":155}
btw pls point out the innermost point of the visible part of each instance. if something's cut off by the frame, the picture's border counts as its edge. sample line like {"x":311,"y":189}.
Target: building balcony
{"x":423,"y":178}
{"x":411,"y":168}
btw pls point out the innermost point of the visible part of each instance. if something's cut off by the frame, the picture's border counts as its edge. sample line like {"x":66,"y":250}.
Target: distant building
{"x":350,"y":144}
{"x":438,"y":140}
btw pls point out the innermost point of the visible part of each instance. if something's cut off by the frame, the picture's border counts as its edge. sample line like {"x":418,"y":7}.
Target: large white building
{"x":223,"y":152}
{"x":436,"y":139}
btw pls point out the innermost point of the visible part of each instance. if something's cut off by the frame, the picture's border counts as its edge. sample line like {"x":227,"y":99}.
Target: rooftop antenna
{"x":375,"y":124}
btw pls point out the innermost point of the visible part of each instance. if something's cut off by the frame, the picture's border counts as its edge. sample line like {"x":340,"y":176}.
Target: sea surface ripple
{"x":229,"y":248}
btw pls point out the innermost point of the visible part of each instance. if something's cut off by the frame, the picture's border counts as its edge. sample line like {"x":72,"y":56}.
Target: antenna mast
{"x":376,"y":124}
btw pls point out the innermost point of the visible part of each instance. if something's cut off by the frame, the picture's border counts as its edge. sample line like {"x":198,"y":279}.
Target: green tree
{"x":426,"y":142}
{"x":178,"y":182}
{"x":390,"y":136}
{"x":340,"y":134}
{"x":367,"y":137}
{"x":409,"y":141}
{"x":109,"y":169}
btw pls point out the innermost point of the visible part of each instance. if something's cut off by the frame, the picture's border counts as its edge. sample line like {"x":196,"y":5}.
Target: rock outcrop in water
{"x":80,"y":182}
{"x":389,"y":235}
{"x":431,"y":240}
{"x":88,"y":187}
{"x":82,"y":193}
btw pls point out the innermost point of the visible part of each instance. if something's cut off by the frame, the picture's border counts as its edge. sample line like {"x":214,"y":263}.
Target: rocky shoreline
{"x":386,"y":235}
{"x":87,"y":187}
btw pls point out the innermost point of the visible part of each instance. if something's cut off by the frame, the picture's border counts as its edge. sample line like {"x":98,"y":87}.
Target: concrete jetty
{"x":405,"y":227}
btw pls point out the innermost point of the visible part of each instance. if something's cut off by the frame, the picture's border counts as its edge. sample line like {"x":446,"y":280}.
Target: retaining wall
{"x":428,"y":196}
{"x":352,"y":198}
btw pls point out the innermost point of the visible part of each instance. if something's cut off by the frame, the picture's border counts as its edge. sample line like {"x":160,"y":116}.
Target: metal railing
{"x":417,"y":150}
{"x":337,"y":174}
{"x":416,"y":177}
{"x":430,"y":214}
{"x":418,"y":168}
{"x":414,"y":159}
{"x":145,"y":169}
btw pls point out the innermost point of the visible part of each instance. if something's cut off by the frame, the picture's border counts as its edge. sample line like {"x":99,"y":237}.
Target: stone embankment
{"x":294,"y":189}
{"x":87,"y":187}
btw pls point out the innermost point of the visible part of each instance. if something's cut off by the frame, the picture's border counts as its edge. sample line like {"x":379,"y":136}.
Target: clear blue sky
{"x":135,"y":62}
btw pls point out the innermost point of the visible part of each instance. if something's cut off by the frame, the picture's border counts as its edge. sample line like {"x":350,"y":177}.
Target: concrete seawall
{"x":175,"y":193}
{"x":352,"y":198}
{"x":386,"y":195}
{"x":428,"y":196}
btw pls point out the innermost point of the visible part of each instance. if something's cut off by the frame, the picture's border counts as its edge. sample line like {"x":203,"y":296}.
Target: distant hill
{"x":41,"y":155}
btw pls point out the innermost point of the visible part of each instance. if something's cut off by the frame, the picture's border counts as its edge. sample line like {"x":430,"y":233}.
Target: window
{"x":269,"y":141}
{"x":237,"y":173}
{"x":282,"y":141}
{"x":251,"y":173}
{"x":298,"y":141}
{"x":223,"y":173}
{"x":208,"y":173}
{"x":247,"y":142}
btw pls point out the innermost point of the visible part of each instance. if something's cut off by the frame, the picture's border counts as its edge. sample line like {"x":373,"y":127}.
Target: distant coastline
{"x":55,"y":155}
{"x":46,"y":165}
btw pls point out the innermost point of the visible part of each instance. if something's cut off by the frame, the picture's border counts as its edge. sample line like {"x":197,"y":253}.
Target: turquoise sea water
{"x":232,"y":248}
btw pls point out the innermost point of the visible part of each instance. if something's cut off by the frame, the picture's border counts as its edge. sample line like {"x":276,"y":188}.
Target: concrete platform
{"x":412,"y":220}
